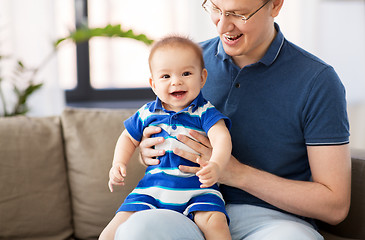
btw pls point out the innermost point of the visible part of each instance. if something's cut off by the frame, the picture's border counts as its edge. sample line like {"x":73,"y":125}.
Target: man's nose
{"x":224,"y":24}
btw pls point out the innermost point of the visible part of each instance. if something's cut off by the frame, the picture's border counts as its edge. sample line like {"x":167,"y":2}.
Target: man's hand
{"x":202,"y":146}
{"x":147,"y":153}
{"x":228,"y":176}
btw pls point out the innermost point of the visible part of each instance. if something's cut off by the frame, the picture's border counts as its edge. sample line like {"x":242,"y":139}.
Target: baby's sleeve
{"x":211,"y":116}
{"x":135,"y":125}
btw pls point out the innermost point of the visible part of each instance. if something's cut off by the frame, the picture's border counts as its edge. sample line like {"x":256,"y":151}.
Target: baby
{"x":177,"y":76}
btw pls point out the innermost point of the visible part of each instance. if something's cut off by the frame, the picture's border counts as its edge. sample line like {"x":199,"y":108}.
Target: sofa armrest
{"x":353,"y":227}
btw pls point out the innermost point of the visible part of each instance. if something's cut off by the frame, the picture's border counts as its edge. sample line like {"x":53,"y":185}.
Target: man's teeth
{"x":232,"y":37}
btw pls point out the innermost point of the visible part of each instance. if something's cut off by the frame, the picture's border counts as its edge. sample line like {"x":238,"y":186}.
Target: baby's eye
{"x":165,"y":76}
{"x":185,"y":74}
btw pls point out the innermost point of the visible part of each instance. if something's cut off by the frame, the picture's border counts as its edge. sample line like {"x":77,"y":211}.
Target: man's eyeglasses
{"x":215,"y":12}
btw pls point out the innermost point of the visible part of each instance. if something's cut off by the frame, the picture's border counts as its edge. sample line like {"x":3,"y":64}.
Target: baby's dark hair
{"x":177,"y":41}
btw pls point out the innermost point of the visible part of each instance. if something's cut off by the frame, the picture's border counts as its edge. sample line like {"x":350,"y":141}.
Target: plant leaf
{"x":84,"y":34}
{"x":20,"y":64}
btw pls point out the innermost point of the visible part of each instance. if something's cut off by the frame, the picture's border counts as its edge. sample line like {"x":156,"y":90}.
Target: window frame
{"x":84,"y":92}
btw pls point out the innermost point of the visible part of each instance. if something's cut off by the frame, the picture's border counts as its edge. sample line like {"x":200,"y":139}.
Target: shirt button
{"x":174,"y":117}
{"x":237,"y":85}
{"x":174,"y":127}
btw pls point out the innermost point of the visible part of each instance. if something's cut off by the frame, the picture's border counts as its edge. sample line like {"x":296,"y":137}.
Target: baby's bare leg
{"x":213,"y":225}
{"x":109,"y":231}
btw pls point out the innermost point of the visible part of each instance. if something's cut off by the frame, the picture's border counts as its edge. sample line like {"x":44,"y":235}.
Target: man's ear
{"x":277,"y":4}
{"x":204,"y":76}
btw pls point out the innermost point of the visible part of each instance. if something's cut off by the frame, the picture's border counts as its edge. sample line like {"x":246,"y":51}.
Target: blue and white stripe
{"x":164,"y":185}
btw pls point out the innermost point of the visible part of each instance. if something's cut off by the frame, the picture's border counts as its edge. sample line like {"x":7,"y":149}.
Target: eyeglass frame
{"x":243,"y":17}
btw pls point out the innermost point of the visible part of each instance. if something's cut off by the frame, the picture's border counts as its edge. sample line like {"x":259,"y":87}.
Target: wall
{"x":334,"y":30}
{"x":27,"y":32}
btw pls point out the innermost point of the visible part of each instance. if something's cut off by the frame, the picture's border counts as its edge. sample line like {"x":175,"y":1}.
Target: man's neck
{"x":257,"y":54}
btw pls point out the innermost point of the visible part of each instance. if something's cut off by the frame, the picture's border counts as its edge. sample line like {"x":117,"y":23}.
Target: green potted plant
{"x":24,"y":82}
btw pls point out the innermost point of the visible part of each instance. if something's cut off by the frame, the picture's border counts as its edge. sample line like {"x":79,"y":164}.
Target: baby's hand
{"x":117,"y":174}
{"x":209,"y":174}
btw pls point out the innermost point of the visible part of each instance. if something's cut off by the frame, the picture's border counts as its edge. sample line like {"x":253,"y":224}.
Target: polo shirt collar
{"x":197,"y":102}
{"x":156,"y":105}
{"x":221,"y":54}
{"x":274,"y":49}
{"x":271,"y":54}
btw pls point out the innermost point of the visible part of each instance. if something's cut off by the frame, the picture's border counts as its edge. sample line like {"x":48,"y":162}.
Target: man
{"x":290,"y":162}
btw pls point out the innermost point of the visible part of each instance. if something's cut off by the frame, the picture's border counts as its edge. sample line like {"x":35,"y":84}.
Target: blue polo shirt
{"x":278,"y":106}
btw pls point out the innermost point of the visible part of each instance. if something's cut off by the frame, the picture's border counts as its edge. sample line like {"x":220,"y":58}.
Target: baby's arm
{"x":124,"y":149}
{"x":220,"y":140}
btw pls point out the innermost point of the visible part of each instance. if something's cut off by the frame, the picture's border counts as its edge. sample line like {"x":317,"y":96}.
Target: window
{"x":116,"y":69}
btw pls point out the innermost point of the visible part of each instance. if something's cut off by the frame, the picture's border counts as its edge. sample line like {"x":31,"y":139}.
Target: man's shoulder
{"x":300,"y":54}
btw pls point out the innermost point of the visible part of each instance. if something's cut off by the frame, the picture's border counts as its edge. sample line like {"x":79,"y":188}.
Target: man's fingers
{"x":151,"y":161}
{"x":187,"y":155}
{"x":198,"y":147}
{"x":147,"y":153}
{"x":148,"y":131}
{"x":147,"y":158}
{"x":201,"y":138}
{"x":150,"y":152}
{"x":150,"y":142}
{"x":188,"y":169}
{"x":202,"y":149}
{"x":147,"y":143}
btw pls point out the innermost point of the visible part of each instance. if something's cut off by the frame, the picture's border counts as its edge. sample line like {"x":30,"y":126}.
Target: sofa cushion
{"x":353,"y":227}
{"x":34,"y":194}
{"x":90,"y":137}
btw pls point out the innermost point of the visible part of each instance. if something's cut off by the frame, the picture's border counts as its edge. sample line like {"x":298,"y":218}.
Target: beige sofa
{"x":54,"y":173}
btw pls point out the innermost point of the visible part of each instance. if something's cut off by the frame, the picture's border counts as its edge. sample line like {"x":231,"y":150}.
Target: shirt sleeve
{"x":325,"y":116}
{"x":211,"y":116}
{"x":135,"y":124}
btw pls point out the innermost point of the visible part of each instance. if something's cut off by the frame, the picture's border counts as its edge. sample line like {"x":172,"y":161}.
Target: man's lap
{"x":247,"y":222}
{"x":158,"y":224}
{"x":252,"y":222}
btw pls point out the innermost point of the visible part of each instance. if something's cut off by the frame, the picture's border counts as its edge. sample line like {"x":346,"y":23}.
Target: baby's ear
{"x":152,"y":83}
{"x":204,"y":76}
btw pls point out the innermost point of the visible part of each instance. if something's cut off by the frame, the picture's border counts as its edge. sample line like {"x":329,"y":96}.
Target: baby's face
{"x":177,"y":77}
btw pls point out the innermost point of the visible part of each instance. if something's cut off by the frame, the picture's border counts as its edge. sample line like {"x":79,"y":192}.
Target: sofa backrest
{"x":54,"y":174}
{"x":90,"y":136}
{"x":34,"y":193}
